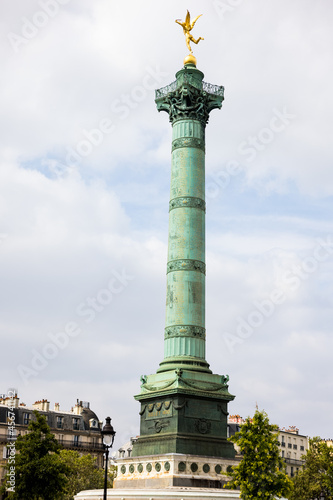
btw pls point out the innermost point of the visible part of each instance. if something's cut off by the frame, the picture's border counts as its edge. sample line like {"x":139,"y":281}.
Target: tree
{"x":261,"y":472}
{"x":315,"y":479}
{"x":39,"y":474}
{"x":83,"y":474}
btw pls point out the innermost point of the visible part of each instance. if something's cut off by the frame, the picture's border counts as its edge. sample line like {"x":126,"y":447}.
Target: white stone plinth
{"x":157,"y":494}
{"x":172,"y":470}
{"x":170,"y":476}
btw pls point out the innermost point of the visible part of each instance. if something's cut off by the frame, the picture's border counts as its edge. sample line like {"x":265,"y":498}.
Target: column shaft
{"x":185,"y":305}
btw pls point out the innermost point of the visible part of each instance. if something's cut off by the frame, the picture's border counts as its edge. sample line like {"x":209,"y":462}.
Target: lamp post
{"x":108,"y":434}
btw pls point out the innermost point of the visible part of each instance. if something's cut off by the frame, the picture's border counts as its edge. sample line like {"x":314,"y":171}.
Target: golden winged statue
{"x":187,"y":28}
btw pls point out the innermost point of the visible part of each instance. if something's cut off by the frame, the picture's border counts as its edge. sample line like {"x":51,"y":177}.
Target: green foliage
{"x":315,"y":479}
{"x":39,"y":472}
{"x":261,"y":473}
{"x":83,"y":474}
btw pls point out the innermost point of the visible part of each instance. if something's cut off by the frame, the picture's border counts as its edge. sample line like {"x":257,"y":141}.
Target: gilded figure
{"x":187,"y":26}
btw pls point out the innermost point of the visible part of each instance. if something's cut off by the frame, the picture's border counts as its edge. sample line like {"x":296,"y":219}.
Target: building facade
{"x":78,"y":429}
{"x":292,"y":447}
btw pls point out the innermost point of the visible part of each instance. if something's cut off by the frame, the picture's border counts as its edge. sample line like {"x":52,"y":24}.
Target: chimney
{"x":293,"y":429}
{"x":77,"y":410}
{"x":46,"y":405}
{"x":12,"y":402}
{"x":38,"y":405}
{"x":56,"y":407}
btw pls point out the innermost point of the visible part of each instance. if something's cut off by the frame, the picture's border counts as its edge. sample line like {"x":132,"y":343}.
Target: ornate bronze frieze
{"x":186,"y":265}
{"x":203,"y":426}
{"x":185,"y":331}
{"x":187,"y":201}
{"x":188,"y":142}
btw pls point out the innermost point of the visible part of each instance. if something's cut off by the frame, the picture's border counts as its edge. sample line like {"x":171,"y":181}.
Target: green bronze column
{"x":188,"y":102}
{"x":184,"y":405}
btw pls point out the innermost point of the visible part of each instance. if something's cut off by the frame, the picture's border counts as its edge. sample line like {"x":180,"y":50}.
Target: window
{"x":76,"y":440}
{"x":60,"y":421}
{"x":292,"y":471}
{"x":26,"y":418}
{"x":290,"y":445}
{"x":76,"y":424}
{"x":282,"y":453}
{"x":11,"y":433}
{"x":93,"y":423}
{"x":295,"y":446}
{"x":283,"y":444}
{"x":302,"y":448}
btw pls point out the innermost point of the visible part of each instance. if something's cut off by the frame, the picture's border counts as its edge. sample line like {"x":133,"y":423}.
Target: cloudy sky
{"x":84,"y":190}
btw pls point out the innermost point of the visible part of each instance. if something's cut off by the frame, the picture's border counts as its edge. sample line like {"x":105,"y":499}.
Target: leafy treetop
{"x":315,"y":479}
{"x":261,"y":472}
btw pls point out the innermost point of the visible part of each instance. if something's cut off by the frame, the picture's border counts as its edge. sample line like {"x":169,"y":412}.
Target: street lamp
{"x":108,"y":434}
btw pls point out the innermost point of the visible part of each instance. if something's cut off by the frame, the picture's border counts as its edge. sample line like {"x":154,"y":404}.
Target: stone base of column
{"x":172,"y":475}
{"x":166,"y":494}
{"x":173,"y":470}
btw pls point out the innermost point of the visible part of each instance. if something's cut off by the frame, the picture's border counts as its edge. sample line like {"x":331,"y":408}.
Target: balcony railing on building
{"x":67,"y":443}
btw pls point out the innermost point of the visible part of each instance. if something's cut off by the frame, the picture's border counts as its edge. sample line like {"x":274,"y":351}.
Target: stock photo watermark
{"x":11,"y":438}
{"x":223,"y":7}
{"x":30,"y":28}
{"x":88,"y":309}
{"x":292,"y":280}
{"x":121,"y":108}
{"x":277,"y":124}
{"x":254,"y":144}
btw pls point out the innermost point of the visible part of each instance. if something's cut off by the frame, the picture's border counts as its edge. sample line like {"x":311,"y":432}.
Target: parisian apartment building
{"x":77,"y":429}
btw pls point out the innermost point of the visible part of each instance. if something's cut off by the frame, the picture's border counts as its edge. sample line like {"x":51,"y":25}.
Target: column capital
{"x":189,"y":97}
